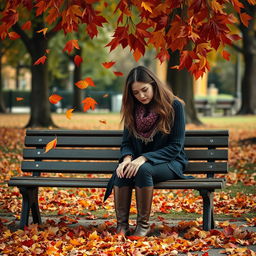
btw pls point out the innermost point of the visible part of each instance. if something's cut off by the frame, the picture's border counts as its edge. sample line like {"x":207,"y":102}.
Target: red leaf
{"x":13,"y":35}
{"x":89,"y":103}
{"x":41,"y":60}
{"x":82,"y":84}
{"x":78,"y":60}
{"x":108,"y":64}
{"x":226,"y":55}
{"x":70,"y":45}
{"x":245,"y":18}
{"x":27,"y":25}
{"x":19,"y":98}
{"x":55,"y":98}
{"x":118,"y":73}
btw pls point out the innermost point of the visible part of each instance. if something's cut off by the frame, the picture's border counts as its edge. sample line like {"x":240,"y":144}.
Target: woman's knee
{"x":144,"y":170}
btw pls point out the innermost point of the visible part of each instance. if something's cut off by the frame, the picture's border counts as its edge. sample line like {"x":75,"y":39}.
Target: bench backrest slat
{"x":207,"y":151}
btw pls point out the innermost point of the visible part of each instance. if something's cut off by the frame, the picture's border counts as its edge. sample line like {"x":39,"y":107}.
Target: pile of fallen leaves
{"x":61,"y":239}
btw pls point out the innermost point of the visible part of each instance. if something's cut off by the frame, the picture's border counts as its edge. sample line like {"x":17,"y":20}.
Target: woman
{"x":152,"y":147}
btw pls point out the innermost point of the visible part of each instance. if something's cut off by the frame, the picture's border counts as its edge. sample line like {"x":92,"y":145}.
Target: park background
{"x":64,"y":209}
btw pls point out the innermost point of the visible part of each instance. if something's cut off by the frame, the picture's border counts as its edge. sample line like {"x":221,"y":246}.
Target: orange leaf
{"x":89,"y":103}
{"x":55,"y":98}
{"x":137,"y":54}
{"x":90,"y":81}
{"x":70,"y":45}
{"x":103,"y":121}
{"x":13,"y":35}
{"x":245,"y":18}
{"x":78,"y":60}
{"x":41,"y":60}
{"x":82,"y":84}
{"x":146,"y":6}
{"x":44,"y":30}
{"x":50,"y":145}
{"x":226,"y":55}
{"x":19,"y":98}
{"x":108,"y":64}
{"x":69,"y":113}
{"x":118,"y":73}
{"x":47,"y":51}
{"x":105,"y":95}
{"x":27,"y":25}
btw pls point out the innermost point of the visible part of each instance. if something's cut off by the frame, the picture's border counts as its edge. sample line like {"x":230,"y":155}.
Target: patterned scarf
{"x":145,"y":123}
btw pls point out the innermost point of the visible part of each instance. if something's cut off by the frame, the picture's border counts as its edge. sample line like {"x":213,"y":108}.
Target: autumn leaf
{"x":70,"y":45}
{"x":44,"y":30}
{"x":89,"y":103}
{"x":78,"y":60}
{"x":118,"y":73}
{"x":245,"y":18}
{"x":108,"y":64}
{"x":26,"y":26}
{"x":226,"y":55}
{"x":50,"y":145}
{"x":105,"y":95}
{"x":137,"y":54}
{"x":69,"y":113}
{"x":55,"y":98}
{"x":103,"y":121}
{"x":47,"y":51}
{"x":19,"y":98}
{"x":83,"y":84}
{"x":146,"y":6}
{"x":13,"y":35}
{"x":40,"y":60}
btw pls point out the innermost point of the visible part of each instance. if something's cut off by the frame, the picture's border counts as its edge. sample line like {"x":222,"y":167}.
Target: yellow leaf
{"x":44,"y":30}
{"x":94,"y":236}
{"x":146,"y":6}
{"x":69,"y":113}
{"x":52,"y":144}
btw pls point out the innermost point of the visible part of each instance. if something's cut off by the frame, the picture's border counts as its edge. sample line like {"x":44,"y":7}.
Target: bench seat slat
{"x":102,"y":183}
{"x":114,"y":141}
{"x":108,"y":167}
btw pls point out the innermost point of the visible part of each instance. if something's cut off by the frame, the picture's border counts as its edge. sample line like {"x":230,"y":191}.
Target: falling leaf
{"x":55,"y":98}
{"x":44,"y":30}
{"x":226,"y":55}
{"x":105,"y":95}
{"x":19,"y":98}
{"x":118,"y":73}
{"x":50,"y":145}
{"x":83,"y":84}
{"x":47,"y":51}
{"x":146,"y":6}
{"x":26,"y":26}
{"x":78,"y":60}
{"x":69,"y":113}
{"x":89,"y":103}
{"x":13,"y":35}
{"x":103,"y":121}
{"x":108,"y":64}
{"x":40,"y":60}
{"x":70,"y":45}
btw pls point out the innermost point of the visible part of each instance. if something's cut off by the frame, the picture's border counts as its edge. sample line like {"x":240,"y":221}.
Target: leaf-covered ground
{"x":57,"y":237}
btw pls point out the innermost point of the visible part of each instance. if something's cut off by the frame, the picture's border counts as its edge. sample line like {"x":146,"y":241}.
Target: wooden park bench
{"x":203,"y":106}
{"x":97,"y":152}
{"x":225,"y":105}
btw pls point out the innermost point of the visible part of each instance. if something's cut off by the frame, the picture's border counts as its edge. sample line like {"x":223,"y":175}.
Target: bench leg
{"x":208,"y":221}
{"x":29,"y":201}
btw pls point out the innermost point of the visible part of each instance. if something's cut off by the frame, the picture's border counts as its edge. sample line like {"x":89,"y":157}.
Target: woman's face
{"x":143,"y":92}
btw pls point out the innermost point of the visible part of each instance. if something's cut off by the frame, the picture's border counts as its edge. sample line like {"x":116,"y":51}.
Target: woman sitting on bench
{"x":152,"y":149}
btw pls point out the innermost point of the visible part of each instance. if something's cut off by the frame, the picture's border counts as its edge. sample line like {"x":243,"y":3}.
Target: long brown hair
{"x":161,"y":103}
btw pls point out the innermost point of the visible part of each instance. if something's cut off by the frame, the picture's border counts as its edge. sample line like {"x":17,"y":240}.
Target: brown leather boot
{"x":144,"y":197}
{"x":122,"y":199}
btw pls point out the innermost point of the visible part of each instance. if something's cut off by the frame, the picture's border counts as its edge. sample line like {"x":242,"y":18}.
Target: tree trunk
{"x":2,"y":105}
{"x":249,"y":53}
{"x":78,"y":93}
{"x":181,"y":82}
{"x":39,"y":98}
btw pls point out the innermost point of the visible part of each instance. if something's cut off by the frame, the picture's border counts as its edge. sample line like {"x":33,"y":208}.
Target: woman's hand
{"x":133,"y":167}
{"x":121,"y":167}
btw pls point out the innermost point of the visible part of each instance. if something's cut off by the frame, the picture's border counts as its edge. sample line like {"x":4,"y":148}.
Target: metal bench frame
{"x":97,"y":152}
